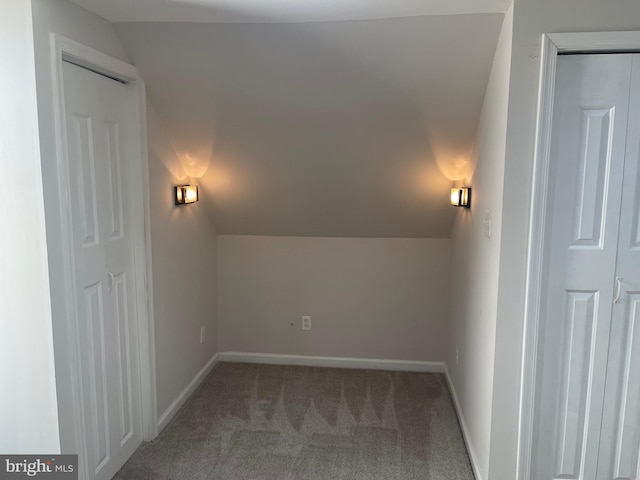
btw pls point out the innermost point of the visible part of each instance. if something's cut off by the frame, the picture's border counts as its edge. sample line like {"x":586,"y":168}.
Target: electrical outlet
{"x":202,"y":334}
{"x":457,"y":359}
{"x":306,"y":322}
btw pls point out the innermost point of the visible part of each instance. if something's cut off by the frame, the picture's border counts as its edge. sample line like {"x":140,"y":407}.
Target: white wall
{"x":183,"y":243}
{"x":367,"y":298}
{"x":71,"y":21}
{"x":474,"y":264}
{"x":531,"y":19}
{"x":28,"y":407}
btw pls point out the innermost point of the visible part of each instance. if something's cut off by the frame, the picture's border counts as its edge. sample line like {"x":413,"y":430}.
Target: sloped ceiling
{"x":329,"y":129}
{"x":280,"y":11}
{"x":351,"y":128}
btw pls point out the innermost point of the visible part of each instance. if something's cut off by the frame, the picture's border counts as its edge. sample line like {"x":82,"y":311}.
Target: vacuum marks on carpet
{"x":269,"y":422}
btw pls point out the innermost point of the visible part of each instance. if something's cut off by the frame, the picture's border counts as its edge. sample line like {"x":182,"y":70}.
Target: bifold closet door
{"x":100,"y":119}
{"x":583,"y":218}
{"x":620,"y":441}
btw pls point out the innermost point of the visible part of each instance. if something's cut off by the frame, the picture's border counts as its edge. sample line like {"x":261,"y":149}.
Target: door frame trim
{"x":65,"y":49}
{"x":552,"y":45}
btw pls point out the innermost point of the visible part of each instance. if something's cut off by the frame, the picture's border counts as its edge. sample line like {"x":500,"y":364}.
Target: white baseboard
{"x":463,"y":425}
{"x":339,"y":362}
{"x":170,"y":412}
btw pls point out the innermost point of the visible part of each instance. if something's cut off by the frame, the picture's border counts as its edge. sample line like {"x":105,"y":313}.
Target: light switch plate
{"x":487,"y":223}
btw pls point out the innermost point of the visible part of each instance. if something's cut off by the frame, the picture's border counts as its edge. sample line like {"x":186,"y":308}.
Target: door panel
{"x":586,"y":177}
{"x":631,"y":230}
{"x":634,"y":243}
{"x":112,"y":141}
{"x":621,"y":426}
{"x":87,"y":210}
{"x":99,"y":117}
{"x":95,"y":388}
{"x":620,"y":445}
{"x":596,"y":137}
{"x":574,"y":381}
{"x":124,"y":358}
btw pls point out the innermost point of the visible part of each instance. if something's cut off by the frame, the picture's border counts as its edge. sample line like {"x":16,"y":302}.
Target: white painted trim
{"x":552,"y":44}
{"x":146,"y":316}
{"x":193,"y":385}
{"x":62,"y":48}
{"x":335,"y":362}
{"x":535,"y":260}
{"x":58,"y":46}
{"x":594,"y":41}
{"x":463,"y":426}
{"x":92,"y":59}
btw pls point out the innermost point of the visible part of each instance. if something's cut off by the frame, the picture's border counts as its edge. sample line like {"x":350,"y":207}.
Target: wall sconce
{"x":186,"y":194}
{"x":461,"y":197}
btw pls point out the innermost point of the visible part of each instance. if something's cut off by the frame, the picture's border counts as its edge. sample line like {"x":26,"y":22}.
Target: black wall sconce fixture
{"x":461,"y":197}
{"x":185,"y":194}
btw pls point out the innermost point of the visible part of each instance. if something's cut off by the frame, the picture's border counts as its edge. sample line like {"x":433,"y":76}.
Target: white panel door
{"x":620,"y":444}
{"x":99,"y":117}
{"x":586,"y":178}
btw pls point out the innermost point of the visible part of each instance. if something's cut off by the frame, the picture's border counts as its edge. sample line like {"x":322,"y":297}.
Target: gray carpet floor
{"x":268,"y":422}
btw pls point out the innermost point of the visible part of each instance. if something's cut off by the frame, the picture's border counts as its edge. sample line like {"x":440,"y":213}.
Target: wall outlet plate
{"x":306,"y":322}
{"x":202,"y":334}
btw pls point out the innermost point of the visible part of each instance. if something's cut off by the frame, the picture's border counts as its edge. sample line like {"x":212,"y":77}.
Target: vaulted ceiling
{"x":281,"y":11}
{"x":329,"y":128}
